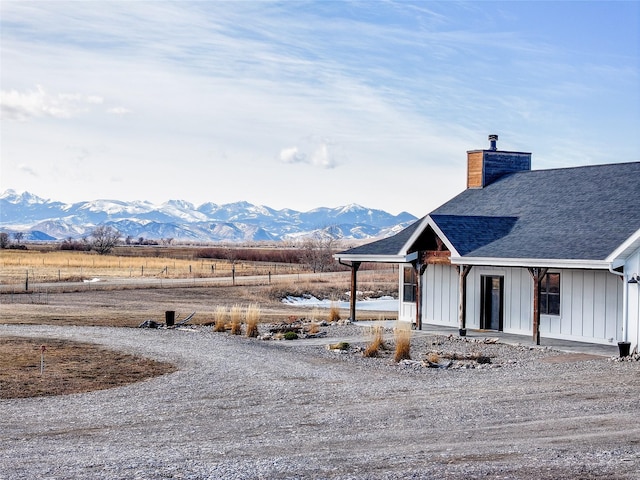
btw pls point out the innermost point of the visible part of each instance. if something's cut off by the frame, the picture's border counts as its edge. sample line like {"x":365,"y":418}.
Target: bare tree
{"x":18,"y":236}
{"x":231,"y":254}
{"x":104,"y":238}
{"x":318,"y":249}
{"x":4,"y":240}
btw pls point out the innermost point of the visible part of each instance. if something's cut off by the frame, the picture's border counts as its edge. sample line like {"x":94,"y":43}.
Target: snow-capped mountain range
{"x":40,"y":219}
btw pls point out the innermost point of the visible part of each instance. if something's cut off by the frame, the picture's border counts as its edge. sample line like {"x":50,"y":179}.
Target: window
{"x":409,"y":285}
{"x":550,"y":294}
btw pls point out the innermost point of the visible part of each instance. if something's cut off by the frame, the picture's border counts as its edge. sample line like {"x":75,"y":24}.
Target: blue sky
{"x":306,"y":104}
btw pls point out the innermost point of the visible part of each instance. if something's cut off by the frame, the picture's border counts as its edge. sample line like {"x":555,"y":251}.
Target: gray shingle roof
{"x":469,"y":233}
{"x":571,"y":213}
{"x":581,"y":213}
{"x":387,"y":246}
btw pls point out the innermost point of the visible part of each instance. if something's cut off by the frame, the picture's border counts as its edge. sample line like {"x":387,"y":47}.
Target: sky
{"x":300,"y":104}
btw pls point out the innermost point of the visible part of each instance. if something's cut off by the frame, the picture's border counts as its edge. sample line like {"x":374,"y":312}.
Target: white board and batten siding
{"x":591,"y":308}
{"x":439,"y":297}
{"x":591,"y":303}
{"x":407,"y":312}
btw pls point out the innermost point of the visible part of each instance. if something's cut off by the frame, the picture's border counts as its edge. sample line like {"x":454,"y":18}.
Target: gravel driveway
{"x":243,"y":408}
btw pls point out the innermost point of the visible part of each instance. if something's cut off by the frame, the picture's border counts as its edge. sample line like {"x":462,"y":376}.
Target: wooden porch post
{"x":416,"y":269}
{"x":419,"y":268}
{"x":354,"y":288}
{"x":537,"y":274}
{"x":463,"y":271}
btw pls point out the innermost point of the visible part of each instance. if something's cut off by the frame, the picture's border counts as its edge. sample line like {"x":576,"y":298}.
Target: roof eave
{"x":370,"y":258}
{"x":629,"y":246}
{"x":532,"y":262}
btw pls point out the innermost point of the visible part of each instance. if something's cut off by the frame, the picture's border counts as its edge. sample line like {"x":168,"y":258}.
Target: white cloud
{"x":314,"y":150}
{"x":23,"y":106}
{"x":28,"y":170}
{"x":291,"y":155}
{"x":323,"y":157}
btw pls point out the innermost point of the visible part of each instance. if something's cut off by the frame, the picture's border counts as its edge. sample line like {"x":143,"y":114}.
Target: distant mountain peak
{"x":13,"y":196}
{"x":179,"y":219}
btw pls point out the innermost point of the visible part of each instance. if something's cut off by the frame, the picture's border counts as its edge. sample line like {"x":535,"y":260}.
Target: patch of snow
{"x":386,"y":303}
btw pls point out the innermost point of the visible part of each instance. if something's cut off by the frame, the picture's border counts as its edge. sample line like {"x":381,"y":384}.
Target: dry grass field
{"x":36,"y":266}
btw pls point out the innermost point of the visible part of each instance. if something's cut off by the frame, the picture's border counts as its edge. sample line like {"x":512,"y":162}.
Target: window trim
{"x":546,"y":295}
{"x":409,"y":285}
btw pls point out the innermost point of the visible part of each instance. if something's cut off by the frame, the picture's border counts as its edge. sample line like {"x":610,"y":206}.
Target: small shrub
{"x":236,"y":320}
{"x":433,"y":357}
{"x":252,"y":319}
{"x":376,"y":343}
{"x":334,"y":312}
{"x":370,"y":351}
{"x":290,"y":336}
{"x":403,"y":343}
{"x":314,"y":328}
{"x":220,"y":315}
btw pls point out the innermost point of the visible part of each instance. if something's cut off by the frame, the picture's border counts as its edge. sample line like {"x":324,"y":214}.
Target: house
{"x":547,"y":253}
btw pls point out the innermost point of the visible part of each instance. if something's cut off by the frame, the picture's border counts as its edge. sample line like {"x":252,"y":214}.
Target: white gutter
{"x":531,"y":262}
{"x":625,"y":302}
{"x":370,"y":258}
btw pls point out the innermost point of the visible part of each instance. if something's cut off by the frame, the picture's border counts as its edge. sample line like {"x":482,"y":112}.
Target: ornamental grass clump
{"x":314,"y":326}
{"x":236,"y":320}
{"x":377,"y":342}
{"x":334,"y":312}
{"x":220,"y":319}
{"x":403,"y":342}
{"x":252,"y":318}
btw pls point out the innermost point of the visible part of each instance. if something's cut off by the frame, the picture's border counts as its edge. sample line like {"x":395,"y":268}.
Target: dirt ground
{"x":129,"y":307}
{"x":244,"y":408}
{"x":72,"y":367}
{"x":265,"y":409}
{"x":42,"y":366}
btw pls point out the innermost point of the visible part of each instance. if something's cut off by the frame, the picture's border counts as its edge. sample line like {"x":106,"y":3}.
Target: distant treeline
{"x":273,"y":255}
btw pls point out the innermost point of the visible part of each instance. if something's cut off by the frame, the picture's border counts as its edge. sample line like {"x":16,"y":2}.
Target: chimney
{"x":493,"y":139}
{"x":486,"y":166}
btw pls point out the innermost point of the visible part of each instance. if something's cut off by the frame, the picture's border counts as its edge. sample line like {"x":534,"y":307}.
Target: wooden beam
{"x":419,"y":269}
{"x":437,"y":257}
{"x":354,"y":289}
{"x":537,"y":274}
{"x":463,"y":271}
